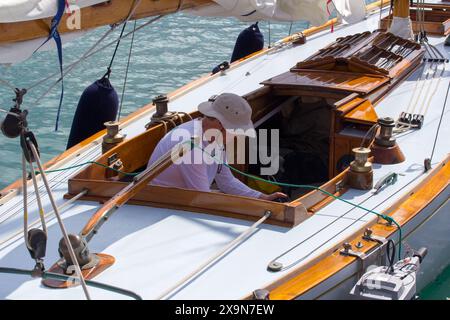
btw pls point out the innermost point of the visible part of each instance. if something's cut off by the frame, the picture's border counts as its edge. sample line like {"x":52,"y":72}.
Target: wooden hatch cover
{"x":373,"y":53}
{"x":356,"y":64}
{"x":339,"y":81}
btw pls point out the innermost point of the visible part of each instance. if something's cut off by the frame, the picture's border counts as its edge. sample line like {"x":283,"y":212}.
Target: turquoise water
{"x":166,"y":55}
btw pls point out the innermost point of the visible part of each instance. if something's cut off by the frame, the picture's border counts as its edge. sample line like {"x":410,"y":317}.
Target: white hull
{"x":428,"y":229}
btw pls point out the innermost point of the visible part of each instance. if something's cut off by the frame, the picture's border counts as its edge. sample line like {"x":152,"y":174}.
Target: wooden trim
{"x":331,"y":262}
{"x":212,"y":203}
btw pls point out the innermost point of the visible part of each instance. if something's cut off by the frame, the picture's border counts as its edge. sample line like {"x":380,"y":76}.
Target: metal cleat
{"x":368,"y":236}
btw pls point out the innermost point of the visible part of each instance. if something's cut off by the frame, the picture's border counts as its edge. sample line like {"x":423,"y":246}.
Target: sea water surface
{"x":166,"y":55}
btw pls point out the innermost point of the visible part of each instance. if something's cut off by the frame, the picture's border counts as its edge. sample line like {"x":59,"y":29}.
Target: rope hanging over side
{"x":54,"y":34}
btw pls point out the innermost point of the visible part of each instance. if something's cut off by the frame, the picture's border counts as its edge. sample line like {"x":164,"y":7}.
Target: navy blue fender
{"x":249,"y":41}
{"x":98,"y":104}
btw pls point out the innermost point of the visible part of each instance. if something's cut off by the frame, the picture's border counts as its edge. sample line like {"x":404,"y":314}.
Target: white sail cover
{"x":24,"y":10}
{"x":316,"y":12}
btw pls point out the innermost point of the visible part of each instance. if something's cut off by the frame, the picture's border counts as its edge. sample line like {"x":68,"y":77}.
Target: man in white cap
{"x":226,"y":113}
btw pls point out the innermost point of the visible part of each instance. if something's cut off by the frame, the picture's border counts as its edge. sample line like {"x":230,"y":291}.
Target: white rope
{"x":38,"y":198}
{"x":60,"y":222}
{"x":423,"y":82}
{"x":25,"y":201}
{"x":222,"y":252}
{"x":426,"y":105}
{"x":416,"y":86}
{"x":47,"y":216}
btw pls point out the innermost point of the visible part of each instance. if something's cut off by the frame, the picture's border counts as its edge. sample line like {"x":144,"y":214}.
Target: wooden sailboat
{"x":180,"y":244}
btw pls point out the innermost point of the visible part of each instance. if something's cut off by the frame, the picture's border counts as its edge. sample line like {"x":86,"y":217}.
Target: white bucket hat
{"x":233,"y":112}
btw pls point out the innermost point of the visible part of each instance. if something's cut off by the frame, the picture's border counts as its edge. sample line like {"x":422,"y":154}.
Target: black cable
{"x":108,"y":72}
{"x":440,"y":122}
{"x":390,"y":252}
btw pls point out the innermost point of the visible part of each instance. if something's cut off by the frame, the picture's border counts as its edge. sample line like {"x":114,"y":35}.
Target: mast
{"x":94,"y":16}
{"x":401,"y":24}
{"x":401,"y":8}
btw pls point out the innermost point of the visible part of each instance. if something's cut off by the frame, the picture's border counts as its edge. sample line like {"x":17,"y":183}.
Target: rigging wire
{"x":60,"y":220}
{"x":88,"y":52}
{"x":136,"y":3}
{"x":440,"y":122}
{"x":126,"y":72}
{"x":7,"y":84}
{"x":91,"y":53}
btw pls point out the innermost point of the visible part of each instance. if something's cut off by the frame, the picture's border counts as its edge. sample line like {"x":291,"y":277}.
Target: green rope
{"x":387,"y":218}
{"x":62,"y":277}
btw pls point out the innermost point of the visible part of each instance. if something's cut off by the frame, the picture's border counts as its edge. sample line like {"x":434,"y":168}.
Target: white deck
{"x":154,"y":248}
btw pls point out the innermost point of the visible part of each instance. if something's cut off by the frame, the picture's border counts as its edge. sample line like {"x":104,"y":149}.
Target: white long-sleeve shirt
{"x":197,"y":175}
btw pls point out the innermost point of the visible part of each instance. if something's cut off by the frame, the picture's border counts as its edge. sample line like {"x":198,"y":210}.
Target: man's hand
{"x":273,"y":196}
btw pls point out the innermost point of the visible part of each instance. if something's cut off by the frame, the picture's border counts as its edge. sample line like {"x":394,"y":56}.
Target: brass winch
{"x":385,"y":148}
{"x":113,"y":136}
{"x":162,"y":113}
{"x":360,"y":175}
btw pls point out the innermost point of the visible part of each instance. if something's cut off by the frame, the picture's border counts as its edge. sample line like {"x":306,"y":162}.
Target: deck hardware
{"x":385,"y":148}
{"x":359,"y":245}
{"x":360,"y":175}
{"x":340,"y":185}
{"x":115,"y":165}
{"x":85,"y":259}
{"x":261,"y":295}
{"x":221,"y":68}
{"x":348,"y":251}
{"x":427,"y":164}
{"x":375,"y":257}
{"x":113,"y":136}
{"x":368,"y":236}
{"x":275,"y":266}
{"x":387,"y":180}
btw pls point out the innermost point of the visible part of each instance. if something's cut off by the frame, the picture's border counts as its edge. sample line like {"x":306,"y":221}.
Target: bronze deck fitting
{"x":84,"y":257}
{"x":112,"y":137}
{"x":360,"y":175}
{"x":385,"y":149}
{"x":161,"y":103}
{"x":162,"y":114}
